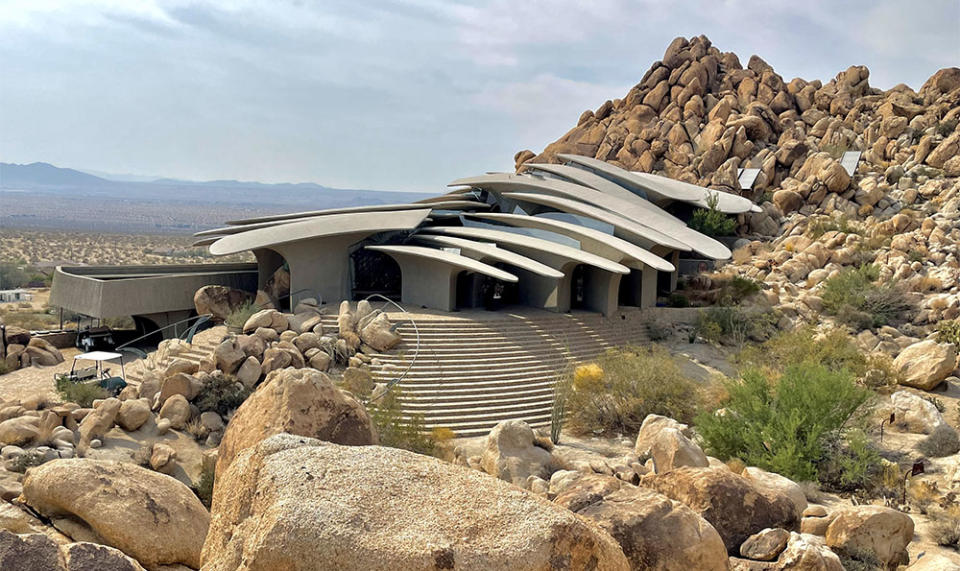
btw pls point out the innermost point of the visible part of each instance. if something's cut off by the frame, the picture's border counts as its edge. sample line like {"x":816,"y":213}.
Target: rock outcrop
{"x":151,"y":517}
{"x":296,"y":503}
{"x":303,"y":402}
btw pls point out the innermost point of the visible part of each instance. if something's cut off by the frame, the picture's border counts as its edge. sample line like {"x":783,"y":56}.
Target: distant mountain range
{"x":47,"y":177}
{"x":48,"y":196}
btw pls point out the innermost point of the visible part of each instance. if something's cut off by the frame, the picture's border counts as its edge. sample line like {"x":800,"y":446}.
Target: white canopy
{"x":98,"y":356}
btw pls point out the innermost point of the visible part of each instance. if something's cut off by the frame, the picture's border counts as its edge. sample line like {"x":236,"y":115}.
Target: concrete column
{"x":427,"y":283}
{"x":602,"y":291}
{"x":648,"y":287}
{"x":675,"y":260}
{"x":538,"y":291}
{"x":320,"y":266}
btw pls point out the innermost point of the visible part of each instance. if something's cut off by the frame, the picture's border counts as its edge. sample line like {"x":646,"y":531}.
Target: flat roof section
{"x":324,"y":226}
{"x":453,"y":203}
{"x":448,"y":258}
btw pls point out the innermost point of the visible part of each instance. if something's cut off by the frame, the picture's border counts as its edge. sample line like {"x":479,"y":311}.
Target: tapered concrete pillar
{"x":648,"y":287}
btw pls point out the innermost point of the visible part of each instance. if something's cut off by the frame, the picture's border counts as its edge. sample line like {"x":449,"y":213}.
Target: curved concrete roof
{"x":453,"y":203}
{"x":726,"y":202}
{"x":702,"y":244}
{"x":583,"y":234}
{"x":493,"y":252}
{"x":227,"y":230}
{"x":448,"y":258}
{"x":663,"y":188}
{"x":534,"y":244}
{"x":653,"y":227}
{"x":320,"y":227}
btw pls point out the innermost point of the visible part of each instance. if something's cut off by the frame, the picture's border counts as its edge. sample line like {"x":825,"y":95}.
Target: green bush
{"x":221,"y":394}
{"x":852,"y":465}
{"x":631,"y":383}
{"x":81,"y":393}
{"x":855,"y":300}
{"x":943,"y":441}
{"x":711,"y":221}
{"x":949,"y":332}
{"x":399,"y":430}
{"x":785,"y":425}
{"x":203,"y":487}
{"x":241,"y":314}
{"x":834,"y":349}
{"x":678,"y":300}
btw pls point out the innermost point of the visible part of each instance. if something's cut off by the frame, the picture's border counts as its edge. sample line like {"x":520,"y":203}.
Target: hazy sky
{"x":389,"y":94}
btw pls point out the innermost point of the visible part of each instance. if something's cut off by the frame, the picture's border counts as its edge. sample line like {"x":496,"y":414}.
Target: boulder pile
{"x":19,"y":349}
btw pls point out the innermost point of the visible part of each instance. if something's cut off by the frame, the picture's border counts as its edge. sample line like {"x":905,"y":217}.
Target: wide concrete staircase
{"x":476,"y":369}
{"x":470,"y":374}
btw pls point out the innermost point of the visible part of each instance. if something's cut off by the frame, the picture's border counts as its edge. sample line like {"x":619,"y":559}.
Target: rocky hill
{"x":699,"y":115}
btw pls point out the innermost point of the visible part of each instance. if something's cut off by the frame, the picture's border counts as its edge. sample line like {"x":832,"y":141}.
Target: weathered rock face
{"x":298,"y":401}
{"x":133,"y":414}
{"x":512,"y":453}
{"x":880,"y":532}
{"x":914,"y":413}
{"x":97,"y":423}
{"x":728,"y":501}
{"x":926,"y":364}
{"x":672,"y":450}
{"x":218,"y":301}
{"x":765,"y":545}
{"x":297,"y":504}
{"x":654,"y":531}
{"x":771,"y":483}
{"x":379,"y":335}
{"x":151,"y":517}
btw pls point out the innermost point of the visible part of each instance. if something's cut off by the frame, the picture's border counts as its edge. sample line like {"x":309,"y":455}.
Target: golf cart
{"x":96,"y":373}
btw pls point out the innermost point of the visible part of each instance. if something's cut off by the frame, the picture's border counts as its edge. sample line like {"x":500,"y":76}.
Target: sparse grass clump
{"x":733,"y":325}
{"x":853,"y":297}
{"x":221,"y":394}
{"x":943,"y":441}
{"x":81,"y":393}
{"x":945,"y":528}
{"x":787,"y":424}
{"x":203,"y":487}
{"x":240,"y":315}
{"x":949,"y":332}
{"x":28,"y":459}
{"x":614,"y":394}
{"x":399,"y":430}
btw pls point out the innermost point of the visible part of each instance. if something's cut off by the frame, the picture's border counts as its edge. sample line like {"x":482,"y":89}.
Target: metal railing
{"x":395,"y":381}
{"x":186,"y":336}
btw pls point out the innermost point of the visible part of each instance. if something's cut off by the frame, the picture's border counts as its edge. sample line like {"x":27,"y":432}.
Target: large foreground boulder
{"x":728,"y":501}
{"x":655,"y":532}
{"x":926,"y":364}
{"x":38,"y":552}
{"x":296,"y":503}
{"x":303,"y":402}
{"x":150,"y":517}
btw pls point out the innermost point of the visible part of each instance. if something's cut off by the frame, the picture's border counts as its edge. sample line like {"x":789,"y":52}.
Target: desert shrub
{"x":196,"y":429}
{"x":678,"y":300}
{"x":81,"y":393}
{"x":786,"y":425}
{"x":28,"y":459}
{"x":558,"y":413}
{"x":658,"y":331}
{"x":855,"y":300}
{"x":943,"y":441}
{"x":852,"y":465}
{"x":221,"y":394}
{"x":820,"y":225}
{"x":241,"y":314}
{"x":711,"y":221}
{"x":399,"y":430}
{"x":203,"y":487}
{"x":834,"y":349}
{"x":949,"y":332}
{"x":922,"y":495}
{"x":945,"y":528}
{"x":142,"y":456}
{"x":733,"y":325}
{"x":615,"y":394}
{"x":835,"y":150}
{"x":937,"y":403}
{"x":880,"y":373}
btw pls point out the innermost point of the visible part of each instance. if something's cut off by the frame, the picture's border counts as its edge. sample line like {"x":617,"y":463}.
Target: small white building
{"x":15,"y":295}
